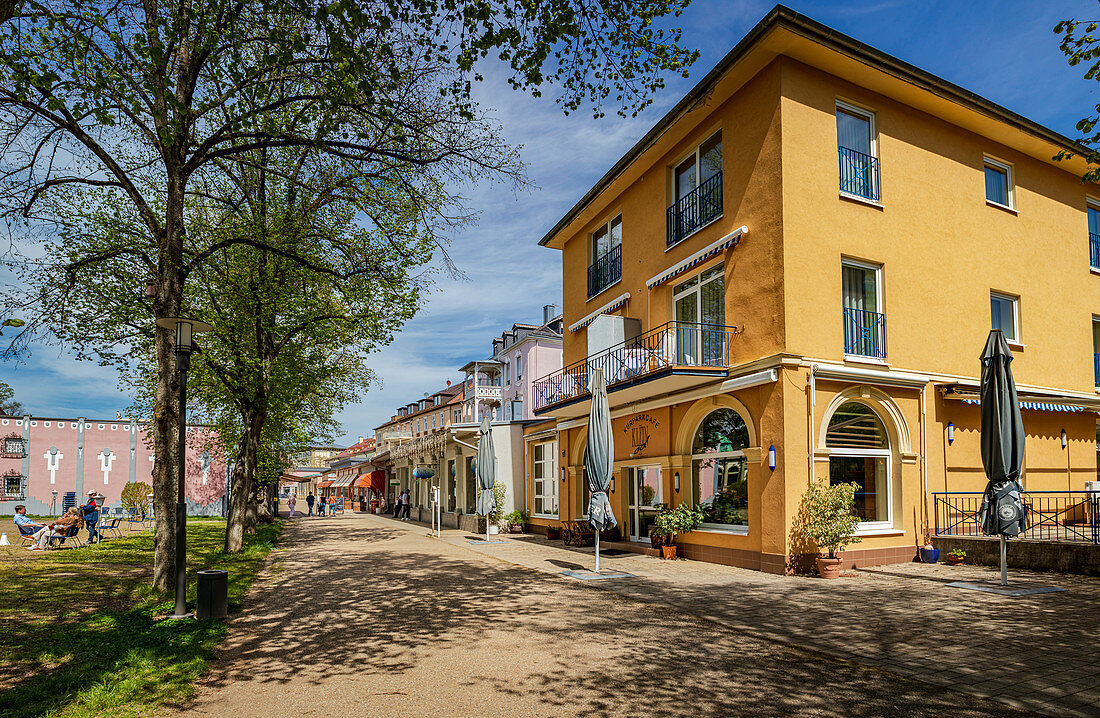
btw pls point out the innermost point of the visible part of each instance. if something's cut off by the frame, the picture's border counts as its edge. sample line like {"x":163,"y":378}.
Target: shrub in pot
{"x":956,"y":556}
{"x":682,"y":519}
{"x":831,"y":523}
{"x":515,"y":520}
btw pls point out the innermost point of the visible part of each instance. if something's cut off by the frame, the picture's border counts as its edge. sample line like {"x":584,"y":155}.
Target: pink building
{"x":72,"y":456}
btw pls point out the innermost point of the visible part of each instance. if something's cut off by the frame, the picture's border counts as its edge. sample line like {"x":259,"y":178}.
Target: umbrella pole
{"x":1004,"y":561}
{"x":597,"y":551}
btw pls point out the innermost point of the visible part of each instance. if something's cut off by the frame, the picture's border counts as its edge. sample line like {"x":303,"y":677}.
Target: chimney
{"x":549,"y":311}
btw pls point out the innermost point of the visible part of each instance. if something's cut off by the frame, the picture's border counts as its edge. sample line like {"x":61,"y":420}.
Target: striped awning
{"x":611,"y":306}
{"x":344,"y":481}
{"x":730,"y":240}
{"x":1039,"y":406}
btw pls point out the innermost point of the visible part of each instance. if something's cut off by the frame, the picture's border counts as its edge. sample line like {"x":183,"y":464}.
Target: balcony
{"x":672,"y":357}
{"x":697,"y":208}
{"x":605,"y":271}
{"x":486,"y":392}
{"x":864,"y":333}
{"x":1094,"y":250}
{"x":859,"y":174}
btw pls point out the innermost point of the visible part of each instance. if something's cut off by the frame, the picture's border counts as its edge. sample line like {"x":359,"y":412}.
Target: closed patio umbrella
{"x":486,"y":472}
{"x":1002,"y":513}
{"x":599,"y":460}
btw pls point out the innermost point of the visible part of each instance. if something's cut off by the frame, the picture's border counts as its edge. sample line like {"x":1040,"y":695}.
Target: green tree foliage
{"x":123,"y":107}
{"x":1081,"y":46}
{"x":135,"y":495}
{"x":830,"y":517}
{"x":8,"y":404}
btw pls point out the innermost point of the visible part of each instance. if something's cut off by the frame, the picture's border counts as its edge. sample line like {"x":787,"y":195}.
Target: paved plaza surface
{"x":363,"y":615}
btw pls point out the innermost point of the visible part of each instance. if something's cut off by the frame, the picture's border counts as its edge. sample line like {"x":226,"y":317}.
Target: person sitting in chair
{"x":61,"y":528}
{"x":26,"y":525}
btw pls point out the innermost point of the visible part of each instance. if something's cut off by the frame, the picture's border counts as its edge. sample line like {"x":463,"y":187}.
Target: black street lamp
{"x":184,"y":328}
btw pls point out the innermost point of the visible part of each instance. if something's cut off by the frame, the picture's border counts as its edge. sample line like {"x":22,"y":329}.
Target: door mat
{"x":586,"y":575}
{"x":1006,"y":590}
{"x":482,"y":542}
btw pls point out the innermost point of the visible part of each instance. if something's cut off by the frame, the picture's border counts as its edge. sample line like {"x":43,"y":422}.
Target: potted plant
{"x":515,"y":520}
{"x":500,"y":493}
{"x":831,"y":523}
{"x":682,"y":519}
{"x":955,"y":556}
{"x":553,"y":533}
{"x":928,"y":552}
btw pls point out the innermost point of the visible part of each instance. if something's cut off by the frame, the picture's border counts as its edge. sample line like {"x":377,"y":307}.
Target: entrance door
{"x":700,"y":316}
{"x":644,"y":494}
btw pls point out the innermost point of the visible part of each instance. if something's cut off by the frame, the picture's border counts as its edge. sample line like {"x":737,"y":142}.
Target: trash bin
{"x":213,"y":595}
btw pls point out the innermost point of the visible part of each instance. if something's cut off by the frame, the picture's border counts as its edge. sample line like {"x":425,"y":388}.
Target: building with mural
{"x":40,"y":456}
{"x":789,"y":279}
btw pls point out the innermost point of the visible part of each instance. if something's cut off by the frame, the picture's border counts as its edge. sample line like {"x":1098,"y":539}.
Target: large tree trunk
{"x":244,"y":477}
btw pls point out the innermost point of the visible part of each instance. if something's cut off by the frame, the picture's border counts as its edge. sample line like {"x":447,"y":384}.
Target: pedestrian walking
{"x":397,"y":506}
{"x":309,"y":502}
{"x":322,"y":505}
{"x":405,"y":506}
{"x":290,"y":501}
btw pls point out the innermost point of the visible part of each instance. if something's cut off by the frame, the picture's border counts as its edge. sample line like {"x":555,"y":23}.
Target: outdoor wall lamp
{"x":950,"y":432}
{"x":771,"y":457}
{"x":1063,"y":438}
{"x":676,"y":481}
{"x":612,"y":484}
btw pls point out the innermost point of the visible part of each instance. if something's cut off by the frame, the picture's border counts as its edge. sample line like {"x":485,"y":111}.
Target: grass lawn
{"x":80,"y":629}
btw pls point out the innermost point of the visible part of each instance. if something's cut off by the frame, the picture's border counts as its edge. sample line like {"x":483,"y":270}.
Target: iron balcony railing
{"x":605,"y":271}
{"x":674,"y":344}
{"x":864,"y":333}
{"x":1050,"y":515}
{"x":1094,"y":250}
{"x":695,"y":209}
{"x":859,"y":174}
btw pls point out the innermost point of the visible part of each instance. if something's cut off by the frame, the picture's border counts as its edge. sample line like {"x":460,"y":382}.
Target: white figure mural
{"x":106,"y":459}
{"x":53,"y":459}
{"x":205,"y":466}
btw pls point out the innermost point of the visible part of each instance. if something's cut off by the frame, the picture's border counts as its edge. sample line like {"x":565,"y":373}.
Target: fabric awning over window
{"x":1039,"y":406}
{"x":730,"y":240}
{"x":324,"y":484}
{"x":611,"y":306}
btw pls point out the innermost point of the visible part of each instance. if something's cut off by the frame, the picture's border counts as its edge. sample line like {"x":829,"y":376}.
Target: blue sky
{"x":1004,"y":51}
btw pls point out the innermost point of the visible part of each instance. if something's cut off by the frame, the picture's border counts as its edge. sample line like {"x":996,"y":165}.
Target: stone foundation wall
{"x":1064,"y":557}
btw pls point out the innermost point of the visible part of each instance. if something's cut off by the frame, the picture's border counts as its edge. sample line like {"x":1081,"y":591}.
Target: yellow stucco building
{"x":790,"y":278}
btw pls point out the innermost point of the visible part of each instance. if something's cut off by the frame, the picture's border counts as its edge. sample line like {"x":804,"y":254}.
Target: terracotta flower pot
{"x":668,"y":552}
{"x":828,"y":567}
{"x":955,"y":560}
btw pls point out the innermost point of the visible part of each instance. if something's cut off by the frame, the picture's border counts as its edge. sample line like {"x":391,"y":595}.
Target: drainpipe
{"x":924,"y":453}
{"x":813,"y":407}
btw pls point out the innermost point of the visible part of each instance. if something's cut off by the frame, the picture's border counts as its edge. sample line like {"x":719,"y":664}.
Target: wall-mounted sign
{"x":639,"y":430}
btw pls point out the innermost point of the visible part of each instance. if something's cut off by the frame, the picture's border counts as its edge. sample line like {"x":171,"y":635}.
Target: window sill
{"x":609,"y":286}
{"x":1015,"y":345}
{"x":692,"y":233}
{"x":1094,"y":270}
{"x":553,"y":517}
{"x":861,"y":200}
{"x":879,"y":532}
{"x":860,"y":359}
{"x":1005,"y":207}
{"x":732,"y":531}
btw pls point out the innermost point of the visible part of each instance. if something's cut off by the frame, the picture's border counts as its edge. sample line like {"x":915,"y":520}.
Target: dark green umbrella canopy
{"x":599,"y":455}
{"x":486,"y":468}
{"x":1002,"y":511}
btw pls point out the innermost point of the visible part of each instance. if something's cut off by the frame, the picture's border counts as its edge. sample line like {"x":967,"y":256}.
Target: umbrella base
{"x":1006,"y":590}
{"x":585,"y":575}
{"x":482,"y":542}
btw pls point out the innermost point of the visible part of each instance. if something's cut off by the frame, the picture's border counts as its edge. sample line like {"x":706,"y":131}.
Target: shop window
{"x":452,"y":486}
{"x":544,"y":477}
{"x":471,"y":485}
{"x":860,"y":454}
{"x":720,"y":470}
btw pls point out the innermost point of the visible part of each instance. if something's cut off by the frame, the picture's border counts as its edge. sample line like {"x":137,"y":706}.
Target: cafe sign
{"x":639,"y":430}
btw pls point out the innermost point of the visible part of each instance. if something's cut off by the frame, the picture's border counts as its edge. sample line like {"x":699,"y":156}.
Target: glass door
{"x":644,"y":495}
{"x":700,"y":316}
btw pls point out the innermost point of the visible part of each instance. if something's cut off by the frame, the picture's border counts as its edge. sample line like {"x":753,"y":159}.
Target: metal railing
{"x":605,"y":271}
{"x":1094,"y":250}
{"x":858,"y":174}
{"x":864,"y":333}
{"x":696,"y":208}
{"x":1051,"y":515}
{"x":673,"y":344}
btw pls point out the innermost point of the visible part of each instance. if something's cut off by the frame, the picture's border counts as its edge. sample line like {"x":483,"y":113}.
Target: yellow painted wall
{"x":942,"y":247}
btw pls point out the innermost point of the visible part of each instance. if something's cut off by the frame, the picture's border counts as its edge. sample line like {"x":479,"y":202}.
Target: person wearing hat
{"x":91,"y":516}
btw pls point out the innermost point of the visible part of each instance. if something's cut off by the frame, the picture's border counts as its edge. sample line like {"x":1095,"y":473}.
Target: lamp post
{"x":184,"y":329}
{"x":53,"y":508}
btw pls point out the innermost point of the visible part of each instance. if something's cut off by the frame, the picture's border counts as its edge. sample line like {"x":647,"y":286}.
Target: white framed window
{"x":519,"y":367}
{"x":857,"y":147}
{"x":605,"y":238}
{"x":507,"y":373}
{"x":457,"y":416}
{"x":719,"y":471}
{"x":699,"y":304}
{"x":517,"y":409}
{"x":864,"y":320}
{"x":698,"y":167}
{"x":999,"y":189}
{"x":859,"y":453}
{"x":1004,"y":310}
{"x":544,"y":478}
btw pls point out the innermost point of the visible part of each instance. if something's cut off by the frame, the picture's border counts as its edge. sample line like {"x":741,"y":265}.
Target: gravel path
{"x":361,"y":616}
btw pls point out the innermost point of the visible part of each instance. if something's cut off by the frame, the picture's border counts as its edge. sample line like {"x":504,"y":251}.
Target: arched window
{"x":720,"y":470}
{"x":859,"y":453}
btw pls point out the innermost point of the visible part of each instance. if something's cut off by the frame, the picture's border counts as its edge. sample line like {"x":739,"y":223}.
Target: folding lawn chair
{"x":73,"y":533}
